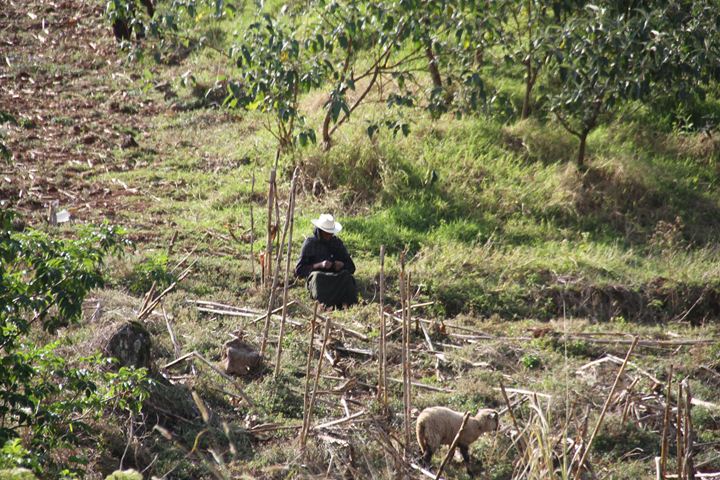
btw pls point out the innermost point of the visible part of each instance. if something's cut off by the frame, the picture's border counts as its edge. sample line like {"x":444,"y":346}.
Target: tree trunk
{"x":433,"y":66}
{"x":529,"y":82}
{"x":581,"y":150}
{"x":326,"y":131}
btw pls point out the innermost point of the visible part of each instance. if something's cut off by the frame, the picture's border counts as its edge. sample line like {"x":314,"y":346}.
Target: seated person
{"x":327,"y":266}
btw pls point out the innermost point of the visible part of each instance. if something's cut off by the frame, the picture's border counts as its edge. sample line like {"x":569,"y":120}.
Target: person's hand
{"x":324,"y":265}
{"x":338,"y":265}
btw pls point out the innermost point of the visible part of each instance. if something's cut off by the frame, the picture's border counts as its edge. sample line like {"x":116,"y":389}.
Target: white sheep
{"x":438,"y":426}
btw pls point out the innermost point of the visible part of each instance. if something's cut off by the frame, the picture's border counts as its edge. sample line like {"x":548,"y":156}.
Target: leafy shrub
{"x":45,"y":399}
{"x":280,"y":396}
{"x":531,"y":361}
{"x":153,"y":270}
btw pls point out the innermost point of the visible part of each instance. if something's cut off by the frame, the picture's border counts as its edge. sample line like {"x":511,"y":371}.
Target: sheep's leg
{"x":465,"y":451}
{"x":427,"y":456}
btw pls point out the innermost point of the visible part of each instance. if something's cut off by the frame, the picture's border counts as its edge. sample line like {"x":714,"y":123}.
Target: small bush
{"x":154,"y":269}
{"x":280,"y":396}
{"x":616,"y":439}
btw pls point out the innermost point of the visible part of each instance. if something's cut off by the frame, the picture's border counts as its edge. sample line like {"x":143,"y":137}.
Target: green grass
{"x":498,"y":224}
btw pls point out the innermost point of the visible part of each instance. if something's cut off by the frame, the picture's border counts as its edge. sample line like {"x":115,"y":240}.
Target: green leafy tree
{"x":601,"y":58}
{"x":617,"y":53}
{"x":526,"y":40}
{"x":276,"y":65}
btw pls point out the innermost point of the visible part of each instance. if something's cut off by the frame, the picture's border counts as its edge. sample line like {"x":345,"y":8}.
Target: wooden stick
{"x":666,"y":425}
{"x":311,"y":405}
{"x":311,"y":342}
{"x":453,"y":445}
{"x":271,"y":299}
{"x":679,"y":432}
{"x":422,"y":386}
{"x":404,"y":356}
{"x":229,"y":313}
{"x":252,"y":231}
{"x":176,"y":345}
{"x":195,"y":354}
{"x":291,"y":218}
{"x":268,"y":245}
{"x":417,"y":305}
{"x":339,"y":421}
{"x":278,"y":309}
{"x":689,"y":462}
{"x":509,"y":407}
{"x":336,"y":325}
{"x":422,"y":470}
{"x":604,"y":409}
{"x":382,"y":361}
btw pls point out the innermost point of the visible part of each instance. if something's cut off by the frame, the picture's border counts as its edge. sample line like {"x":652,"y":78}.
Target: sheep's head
{"x":488,"y":420}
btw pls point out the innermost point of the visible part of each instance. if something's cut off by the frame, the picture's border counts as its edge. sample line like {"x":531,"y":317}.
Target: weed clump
{"x":616,"y":439}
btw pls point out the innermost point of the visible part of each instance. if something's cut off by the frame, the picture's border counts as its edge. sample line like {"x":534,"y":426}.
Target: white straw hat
{"x":327,"y":223}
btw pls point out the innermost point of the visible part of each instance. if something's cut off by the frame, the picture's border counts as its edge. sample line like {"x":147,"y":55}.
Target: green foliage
{"x":125,"y":475}
{"x":152,"y":270}
{"x":45,"y":398}
{"x":277,"y":65}
{"x":531,"y":361}
{"x":616,"y":439}
{"x":279,"y":396}
{"x":17,"y":474}
{"x":608,"y":54}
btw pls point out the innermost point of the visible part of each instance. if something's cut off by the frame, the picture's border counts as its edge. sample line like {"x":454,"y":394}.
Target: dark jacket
{"x":315,"y":250}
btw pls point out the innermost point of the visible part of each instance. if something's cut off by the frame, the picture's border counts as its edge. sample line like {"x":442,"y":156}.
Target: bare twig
{"x":604,"y":409}
{"x":311,"y":404}
{"x":382,"y":361}
{"x":666,"y":424}
{"x":453,"y":445}
{"x":291,"y":220}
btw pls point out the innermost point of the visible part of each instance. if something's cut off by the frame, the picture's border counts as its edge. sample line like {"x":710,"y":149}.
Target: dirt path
{"x":64,"y":80}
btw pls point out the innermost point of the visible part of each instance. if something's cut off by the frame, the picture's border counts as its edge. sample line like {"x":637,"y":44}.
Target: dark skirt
{"x":333,"y":289}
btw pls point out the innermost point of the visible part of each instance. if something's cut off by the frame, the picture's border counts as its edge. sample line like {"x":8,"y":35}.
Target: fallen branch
{"x":339,"y":421}
{"x":195,"y":354}
{"x":335,"y":325}
{"x":424,"y":386}
{"x":604,"y":409}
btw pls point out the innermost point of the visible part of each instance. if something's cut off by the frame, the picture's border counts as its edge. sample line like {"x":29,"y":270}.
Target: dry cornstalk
{"x":150,"y":306}
{"x":451,"y":451}
{"x":311,"y":342}
{"x":275,"y":277}
{"x":405,"y":300}
{"x":679,"y":431}
{"x":252,"y":231}
{"x":173,"y":339}
{"x":666,"y":425}
{"x":291,"y":219}
{"x":509,"y":407}
{"x":268,"y":245}
{"x":337,"y":326}
{"x":195,"y":354}
{"x":382,"y":365}
{"x":311,"y":404}
{"x":689,"y":463}
{"x":604,"y":409}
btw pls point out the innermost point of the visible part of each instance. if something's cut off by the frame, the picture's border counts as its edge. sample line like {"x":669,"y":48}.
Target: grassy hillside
{"x":504,"y":233}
